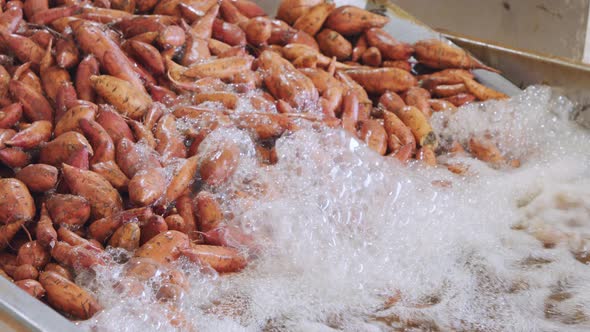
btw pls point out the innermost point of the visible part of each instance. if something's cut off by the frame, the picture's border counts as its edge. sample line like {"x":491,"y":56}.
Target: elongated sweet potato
{"x":380,"y":80}
{"x":132,"y":157}
{"x":390,"y":48}
{"x":290,"y":10}
{"x":33,"y":253}
{"x":16,"y":203}
{"x":418,"y":124}
{"x":373,"y":133}
{"x":70,"y":120}
{"x":33,"y":287}
{"x":208,"y":211}
{"x":35,"y":106}
{"x":38,"y":177}
{"x":419,"y":98}
{"x":101,"y":229}
{"x":103,"y":198}
{"x":102,"y":144}
{"x":221,"y":259}
{"x":350,"y":20}
{"x":482,"y":92}
{"x":394,"y":126}
{"x":182,"y":179}
{"x":46,"y":234}
{"x":165,"y":247}
{"x":147,"y":186}
{"x":224,"y":68}
{"x":10,"y":115}
{"x":87,"y":68}
{"x":68,"y":210}
{"x":38,"y":132}
{"x":61,"y":148}
{"x":334,"y":44}
{"x":311,"y":21}
{"x":285,"y":82}
{"x":218,"y":165}
{"x":127,"y":99}
{"x":68,"y":297}
{"x":127,"y":237}
{"x":112,"y":173}
{"x":438,"y":54}
{"x":170,"y":143}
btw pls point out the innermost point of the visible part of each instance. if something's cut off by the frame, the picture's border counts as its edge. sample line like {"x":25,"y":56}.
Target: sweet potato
{"x":67,"y":236}
{"x":16,"y":203}
{"x":112,"y":173}
{"x":102,"y":144}
{"x":65,"y":296}
{"x":25,"y":271}
{"x":142,"y":133}
{"x":400,"y":64}
{"x":14,"y":157}
{"x":114,"y":124}
{"x":80,"y":256}
{"x":127,"y":237}
{"x":38,"y":177}
{"x":31,"y":137}
{"x":373,"y":133}
{"x":5,"y":135}
{"x":485,"y":150}
{"x":68,"y":210}
{"x":10,"y":115}
{"x":285,"y":82}
{"x":444,"y":77}
{"x":152,"y":227}
{"x":426,"y":154}
{"x":101,"y":229}
{"x":482,"y":92}
{"x":221,"y":259}
{"x":419,"y":98}
{"x":224,"y":68}
{"x":10,"y":19}
{"x":8,"y":231}
{"x":380,"y":80}
{"x":132,"y":157}
{"x":312,"y":20}
{"x":45,"y":233}
{"x":61,"y":148}
{"x":35,"y":106}
{"x":25,"y":49}
{"x":127,"y":99}
{"x":87,"y":68}
{"x":218,"y":165}
{"x":70,"y":120}
{"x":390,"y":48}
{"x":350,"y":20}
{"x":418,"y":124}
{"x":350,"y":112}
{"x":182,"y":179}
{"x":394,"y":126}
{"x":66,"y":98}
{"x":147,"y":186}
{"x":444,"y":90}
{"x":460,"y":99}
{"x":31,"y":286}
{"x":439,"y":105}
{"x":169,"y":142}
{"x":33,"y":253}
{"x":149,"y":56}
{"x":372,"y":57}
{"x":62,"y":271}
{"x":290,"y":10}
{"x":103,"y":198}
{"x":334,"y":44}
{"x":165,"y":247}
{"x":208,"y":211}
{"x":258,"y":30}
{"x":438,"y":54}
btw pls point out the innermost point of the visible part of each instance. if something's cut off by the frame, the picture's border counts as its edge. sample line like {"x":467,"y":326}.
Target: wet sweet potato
{"x":165,"y":247}
{"x":103,"y":198}
{"x":16,"y":203}
{"x":147,"y":186}
{"x":38,"y":177}
{"x":61,"y":148}
{"x":68,"y":210}
{"x":65,"y":296}
{"x":221,"y":259}
{"x":33,"y":287}
{"x":126,"y":98}
{"x":127,"y":237}
{"x":351,"y":20}
{"x":381,"y":80}
{"x":334,"y":44}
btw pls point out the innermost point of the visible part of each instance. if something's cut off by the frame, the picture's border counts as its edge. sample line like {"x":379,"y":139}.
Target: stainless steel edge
{"x":21,"y":312}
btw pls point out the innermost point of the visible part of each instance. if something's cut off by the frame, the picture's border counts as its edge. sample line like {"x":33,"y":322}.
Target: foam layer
{"x":354,"y":241}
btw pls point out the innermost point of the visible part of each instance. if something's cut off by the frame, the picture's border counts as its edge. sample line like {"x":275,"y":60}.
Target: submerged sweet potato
{"x":68,"y":297}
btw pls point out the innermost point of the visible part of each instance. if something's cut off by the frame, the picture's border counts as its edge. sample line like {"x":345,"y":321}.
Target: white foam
{"x":345,"y":229}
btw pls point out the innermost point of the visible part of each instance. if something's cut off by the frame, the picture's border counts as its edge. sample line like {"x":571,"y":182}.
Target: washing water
{"x":352,"y":241}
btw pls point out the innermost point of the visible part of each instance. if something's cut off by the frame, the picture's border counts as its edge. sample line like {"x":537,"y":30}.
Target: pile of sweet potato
{"x":93,"y":153}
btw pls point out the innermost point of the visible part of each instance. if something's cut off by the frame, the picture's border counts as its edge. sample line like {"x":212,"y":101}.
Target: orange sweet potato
{"x":165,"y":247}
{"x":101,"y":229}
{"x":38,"y":177}
{"x":16,"y":203}
{"x":221,"y":259}
{"x":182,"y":179}
{"x":68,"y":210}
{"x":126,"y":98}
{"x":70,"y":120}
{"x":33,"y":253}
{"x":351,"y":20}
{"x":65,"y":296}
{"x":127,"y":237}
{"x":380,"y":80}
{"x":103,"y":198}
{"x":147,"y":186}
{"x":61,"y":148}
{"x":290,"y":10}
{"x":45,"y":233}
{"x":334,"y":44}
{"x":438,"y":54}
{"x":373,"y":133}
{"x":218,"y":165}
{"x":31,"y":137}
{"x":312,"y":20}
{"x":390,"y":48}
{"x":33,"y":287}
{"x":35,"y":106}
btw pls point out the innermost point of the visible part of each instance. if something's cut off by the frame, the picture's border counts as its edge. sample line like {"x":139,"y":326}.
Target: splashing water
{"x":353,"y":241}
